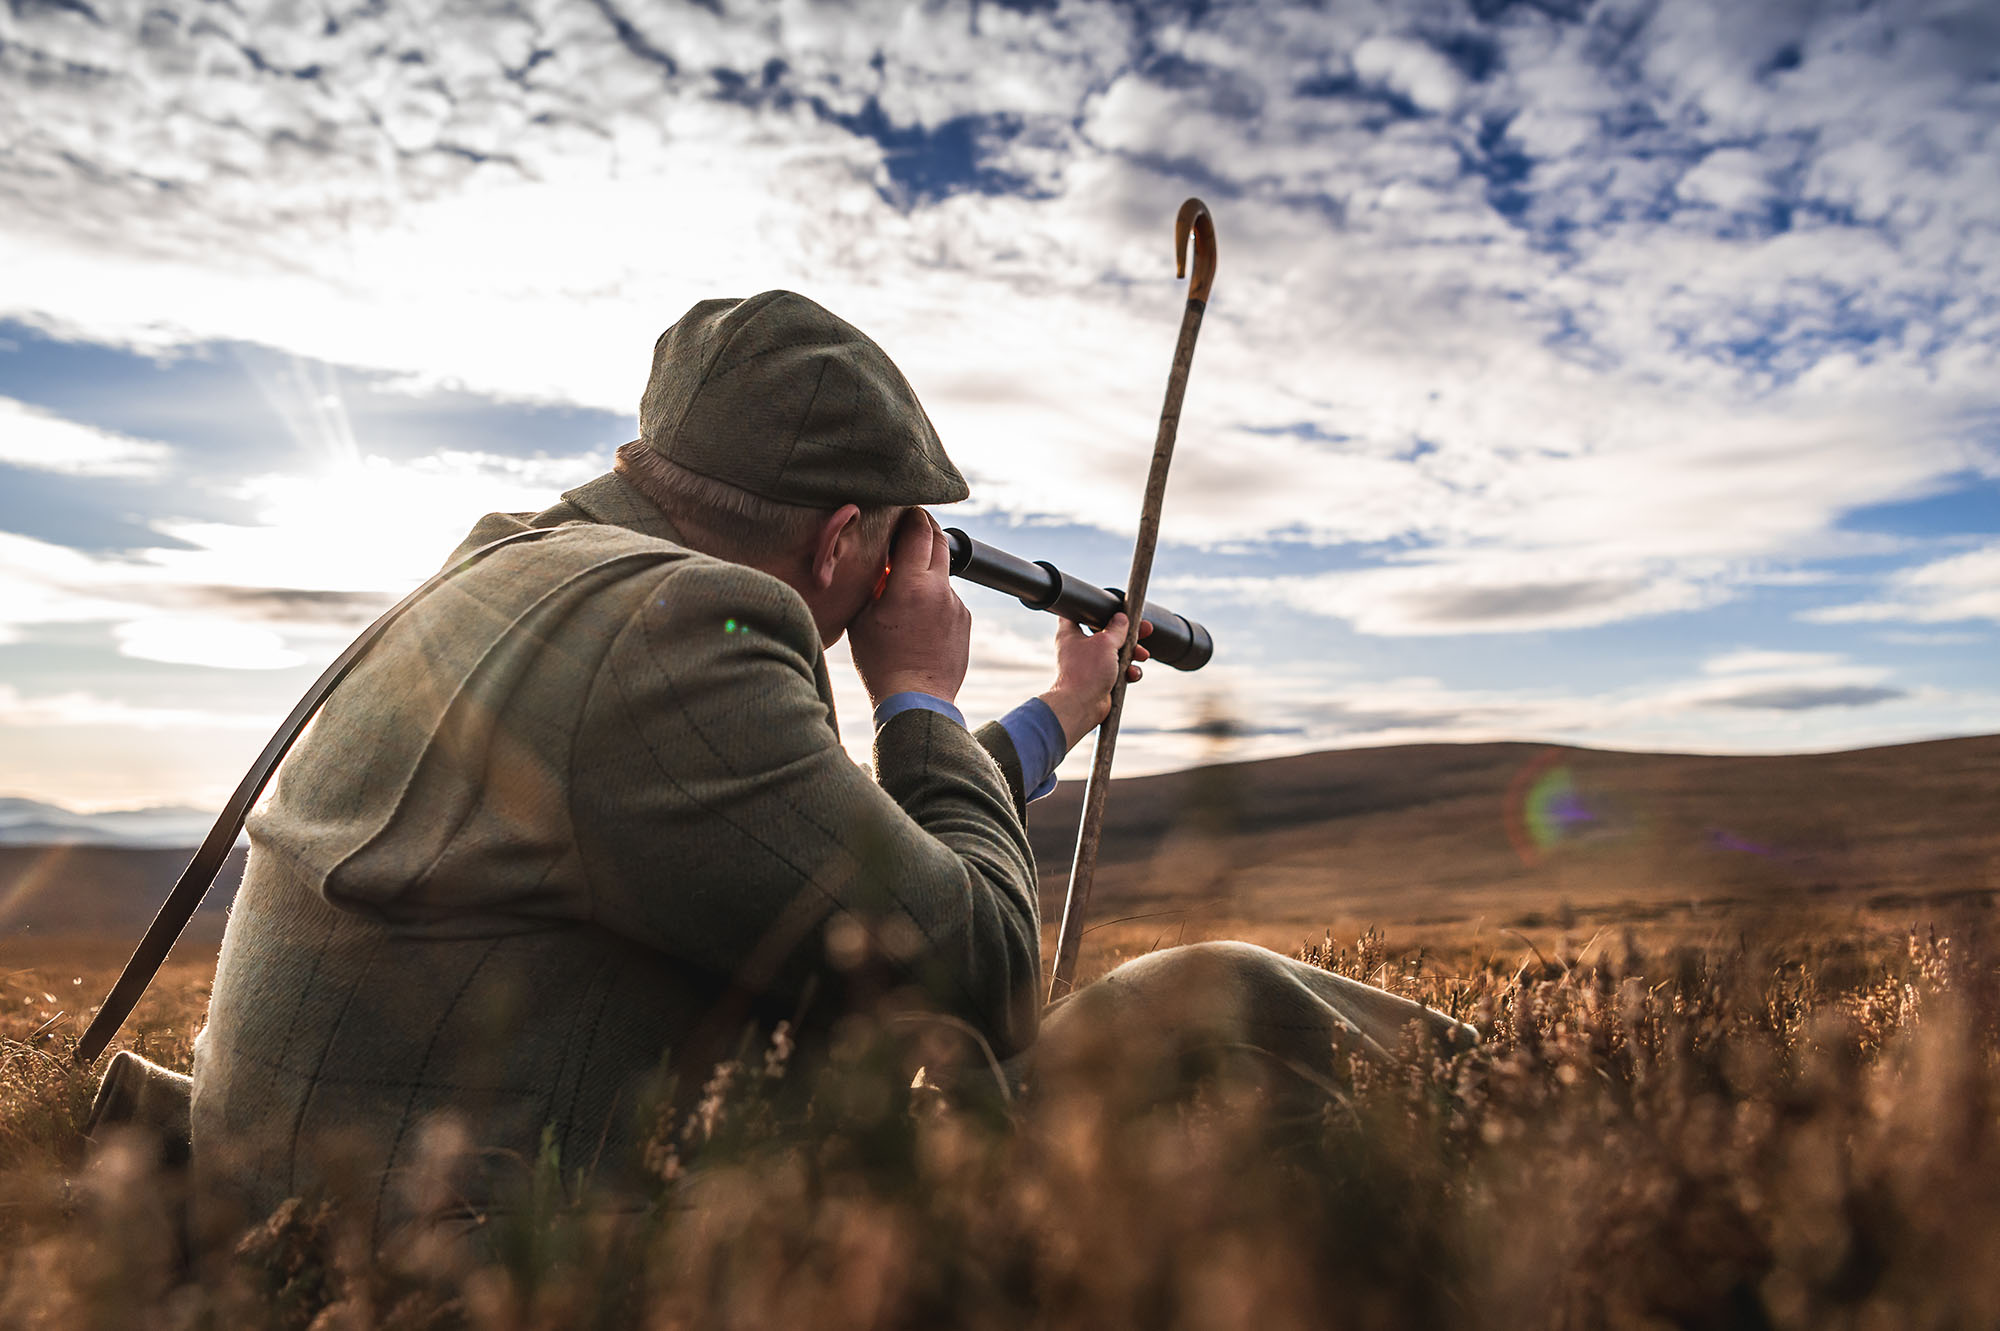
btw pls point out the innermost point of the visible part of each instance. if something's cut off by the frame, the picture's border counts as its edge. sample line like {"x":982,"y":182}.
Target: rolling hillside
{"x":105,"y":891}
{"x":1450,"y":836}
{"x":1423,"y":839}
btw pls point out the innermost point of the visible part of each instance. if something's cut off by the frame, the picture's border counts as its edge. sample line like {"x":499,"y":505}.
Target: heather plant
{"x":1792,"y":1130}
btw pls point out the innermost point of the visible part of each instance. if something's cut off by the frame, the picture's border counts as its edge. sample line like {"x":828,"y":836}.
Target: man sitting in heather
{"x":582,"y":818}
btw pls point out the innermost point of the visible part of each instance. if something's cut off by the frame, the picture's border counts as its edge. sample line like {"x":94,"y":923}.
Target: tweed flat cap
{"x":777,"y":396}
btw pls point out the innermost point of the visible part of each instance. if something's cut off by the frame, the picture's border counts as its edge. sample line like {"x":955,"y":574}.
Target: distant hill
{"x":1528,"y":834}
{"x":26,"y":822}
{"x":107,"y":890}
{"x":1441,"y":836}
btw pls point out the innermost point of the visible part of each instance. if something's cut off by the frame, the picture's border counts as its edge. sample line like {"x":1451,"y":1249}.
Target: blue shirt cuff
{"x":1038,"y":737}
{"x":914,"y":701}
{"x":1039,"y":742}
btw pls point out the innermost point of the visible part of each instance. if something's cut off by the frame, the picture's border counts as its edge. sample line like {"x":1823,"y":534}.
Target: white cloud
{"x":330,"y":548}
{"x":1474,"y":592}
{"x":364,"y":523}
{"x":1773,"y":682}
{"x":1905,"y":639}
{"x":1818,"y":706}
{"x":1964,"y":586}
{"x":42,"y":583}
{"x":44,"y":442}
{"x":1412,"y":68}
{"x":1754,"y":661}
{"x":1737,"y":180}
{"x":224,"y":644}
{"x":1368,"y":288}
{"x":84,"y":709}
{"x":1620,"y":326}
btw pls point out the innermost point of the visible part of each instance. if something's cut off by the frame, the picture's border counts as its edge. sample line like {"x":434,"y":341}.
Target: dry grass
{"x":1788,"y":1130}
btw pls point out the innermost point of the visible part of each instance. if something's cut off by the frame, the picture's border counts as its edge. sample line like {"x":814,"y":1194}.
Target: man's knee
{"x":1188,"y":1009}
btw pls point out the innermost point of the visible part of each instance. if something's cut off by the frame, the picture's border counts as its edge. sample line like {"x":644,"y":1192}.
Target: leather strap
{"x":200,"y":873}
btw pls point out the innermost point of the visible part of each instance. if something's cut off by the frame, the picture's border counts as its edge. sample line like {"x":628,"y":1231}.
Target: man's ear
{"x":833,"y":542}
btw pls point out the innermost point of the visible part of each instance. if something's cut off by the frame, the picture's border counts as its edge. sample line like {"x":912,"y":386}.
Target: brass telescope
{"x":1176,"y":640}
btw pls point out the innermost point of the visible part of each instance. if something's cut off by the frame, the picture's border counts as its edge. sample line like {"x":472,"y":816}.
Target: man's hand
{"x":917,"y":635}
{"x":1086,"y":668}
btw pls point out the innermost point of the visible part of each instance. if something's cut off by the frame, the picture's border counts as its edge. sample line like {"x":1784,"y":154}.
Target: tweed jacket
{"x":578,"y":822}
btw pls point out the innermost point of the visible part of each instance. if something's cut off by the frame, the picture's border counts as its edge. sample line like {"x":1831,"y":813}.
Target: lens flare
{"x":1545,"y":809}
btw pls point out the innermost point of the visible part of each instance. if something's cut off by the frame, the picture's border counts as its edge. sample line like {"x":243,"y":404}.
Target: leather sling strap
{"x":200,"y":873}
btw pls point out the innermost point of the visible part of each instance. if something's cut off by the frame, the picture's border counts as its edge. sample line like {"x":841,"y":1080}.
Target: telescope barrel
{"x":1175,"y":641}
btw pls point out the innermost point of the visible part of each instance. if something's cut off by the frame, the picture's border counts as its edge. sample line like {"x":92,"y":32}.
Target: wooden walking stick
{"x":1193,"y":218}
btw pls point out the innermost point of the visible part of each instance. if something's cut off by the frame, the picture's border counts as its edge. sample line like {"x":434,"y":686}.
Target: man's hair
{"x":729,"y":520}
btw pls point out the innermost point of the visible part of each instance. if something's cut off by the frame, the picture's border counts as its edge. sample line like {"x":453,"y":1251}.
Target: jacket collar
{"x":611,"y":499}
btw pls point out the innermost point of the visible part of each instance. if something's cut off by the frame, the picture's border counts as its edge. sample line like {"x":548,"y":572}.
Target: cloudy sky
{"x":1616,"y":373}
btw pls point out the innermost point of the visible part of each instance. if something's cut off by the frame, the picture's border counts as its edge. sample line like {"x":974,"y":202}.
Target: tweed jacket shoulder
{"x":579,"y":820}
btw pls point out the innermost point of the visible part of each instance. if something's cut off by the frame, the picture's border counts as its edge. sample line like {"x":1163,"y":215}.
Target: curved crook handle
{"x":1194,"y":217}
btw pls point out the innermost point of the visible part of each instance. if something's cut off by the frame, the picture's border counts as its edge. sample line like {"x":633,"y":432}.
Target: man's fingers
{"x":940,"y":551}
{"x":913,"y":541}
{"x":913,"y":537}
{"x":1132,"y":675}
{"x":1067,"y":629}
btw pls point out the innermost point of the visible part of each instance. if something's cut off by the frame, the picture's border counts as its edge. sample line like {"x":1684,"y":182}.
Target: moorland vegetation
{"x":1792,"y":1128}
